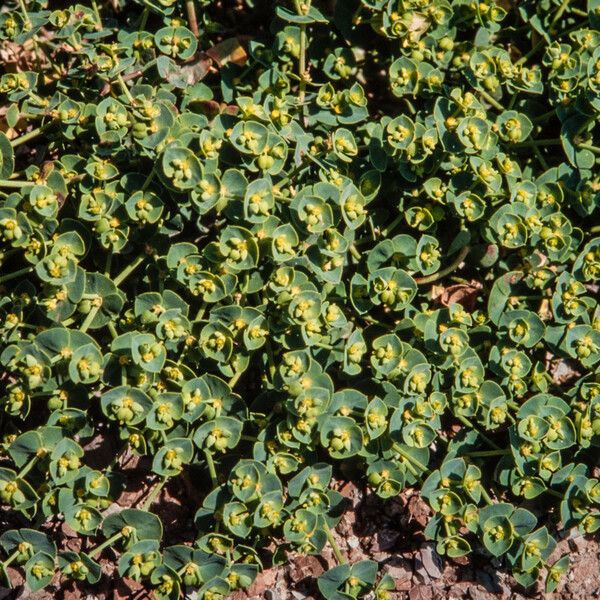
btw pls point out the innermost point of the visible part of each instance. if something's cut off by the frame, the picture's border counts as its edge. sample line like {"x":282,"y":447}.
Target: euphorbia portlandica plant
{"x":260,"y":244}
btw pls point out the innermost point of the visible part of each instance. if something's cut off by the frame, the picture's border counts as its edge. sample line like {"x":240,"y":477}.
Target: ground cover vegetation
{"x":268,"y":244}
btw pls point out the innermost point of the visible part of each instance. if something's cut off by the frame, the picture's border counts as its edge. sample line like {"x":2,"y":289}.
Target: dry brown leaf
{"x":197,"y":70}
{"x":460,"y":293}
{"x":228,"y":51}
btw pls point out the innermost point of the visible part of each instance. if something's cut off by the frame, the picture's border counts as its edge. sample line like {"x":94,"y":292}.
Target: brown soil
{"x":389,"y":532}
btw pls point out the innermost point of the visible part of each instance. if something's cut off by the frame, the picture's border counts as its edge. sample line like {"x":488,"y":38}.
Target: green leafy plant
{"x":326,"y":238}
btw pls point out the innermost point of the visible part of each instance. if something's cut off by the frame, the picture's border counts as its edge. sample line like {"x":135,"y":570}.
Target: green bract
{"x":363,"y":232}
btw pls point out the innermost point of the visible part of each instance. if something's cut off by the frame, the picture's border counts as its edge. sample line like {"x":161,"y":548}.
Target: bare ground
{"x":389,"y":532}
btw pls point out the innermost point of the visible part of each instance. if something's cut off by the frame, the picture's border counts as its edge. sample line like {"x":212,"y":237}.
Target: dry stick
{"x":451,"y":267}
{"x":128,"y":77}
{"x":191,"y":15}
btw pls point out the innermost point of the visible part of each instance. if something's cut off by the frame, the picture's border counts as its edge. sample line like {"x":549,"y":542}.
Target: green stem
{"x":289,"y":176}
{"x":491,"y":100}
{"x":302,"y":66}
{"x":533,"y":297}
{"x":125,"y":89}
{"x":144,"y":19}
{"x":201,"y":311}
{"x":397,"y":221}
{"x":210,"y":463}
{"x":410,"y":458}
{"x":27,"y":467}
{"x":413,"y":472}
{"x":324,"y":346}
{"x":590,"y":147}
{"x":113,"y":330}
{"x":270,"y":360}
{"x":108,"y":263}
{"x":356,"y":18}
{"x":559,"y":13}
{"x":113,"y":463}
{"x":281,"y":197}
{"x":485,"y":453}
{"x":443,"y":272}
{"x":154,"y":493}
{"x":531,"y":53}
{"x":7,"y":183}
{"x":149,"y":178}
{"x":484,"y":437}
{"x":302,"y":58}
{"x":235,"y":378}
{"x":544,"y":116}
{"x":486,"y":496}
{"x":336,"y":549}
{"x":129,"y":269}
{"x":89,"y":318}
{"x":317,"y":162}
{"x":409,"y":105}
{"x":595,"y":229}
{"x":11,"y":558}
{"x":540,"y":158}
{"x":541,"y":142}
{"x":26,"y":137}
{"x":105,"y":544}
{"x":16,"y":274}
{"x":24,"y":11}
{"x":354,"y":251}
{"x":555,"y":493}
{"x":446,"y":528}
{"x":97,"y":14}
